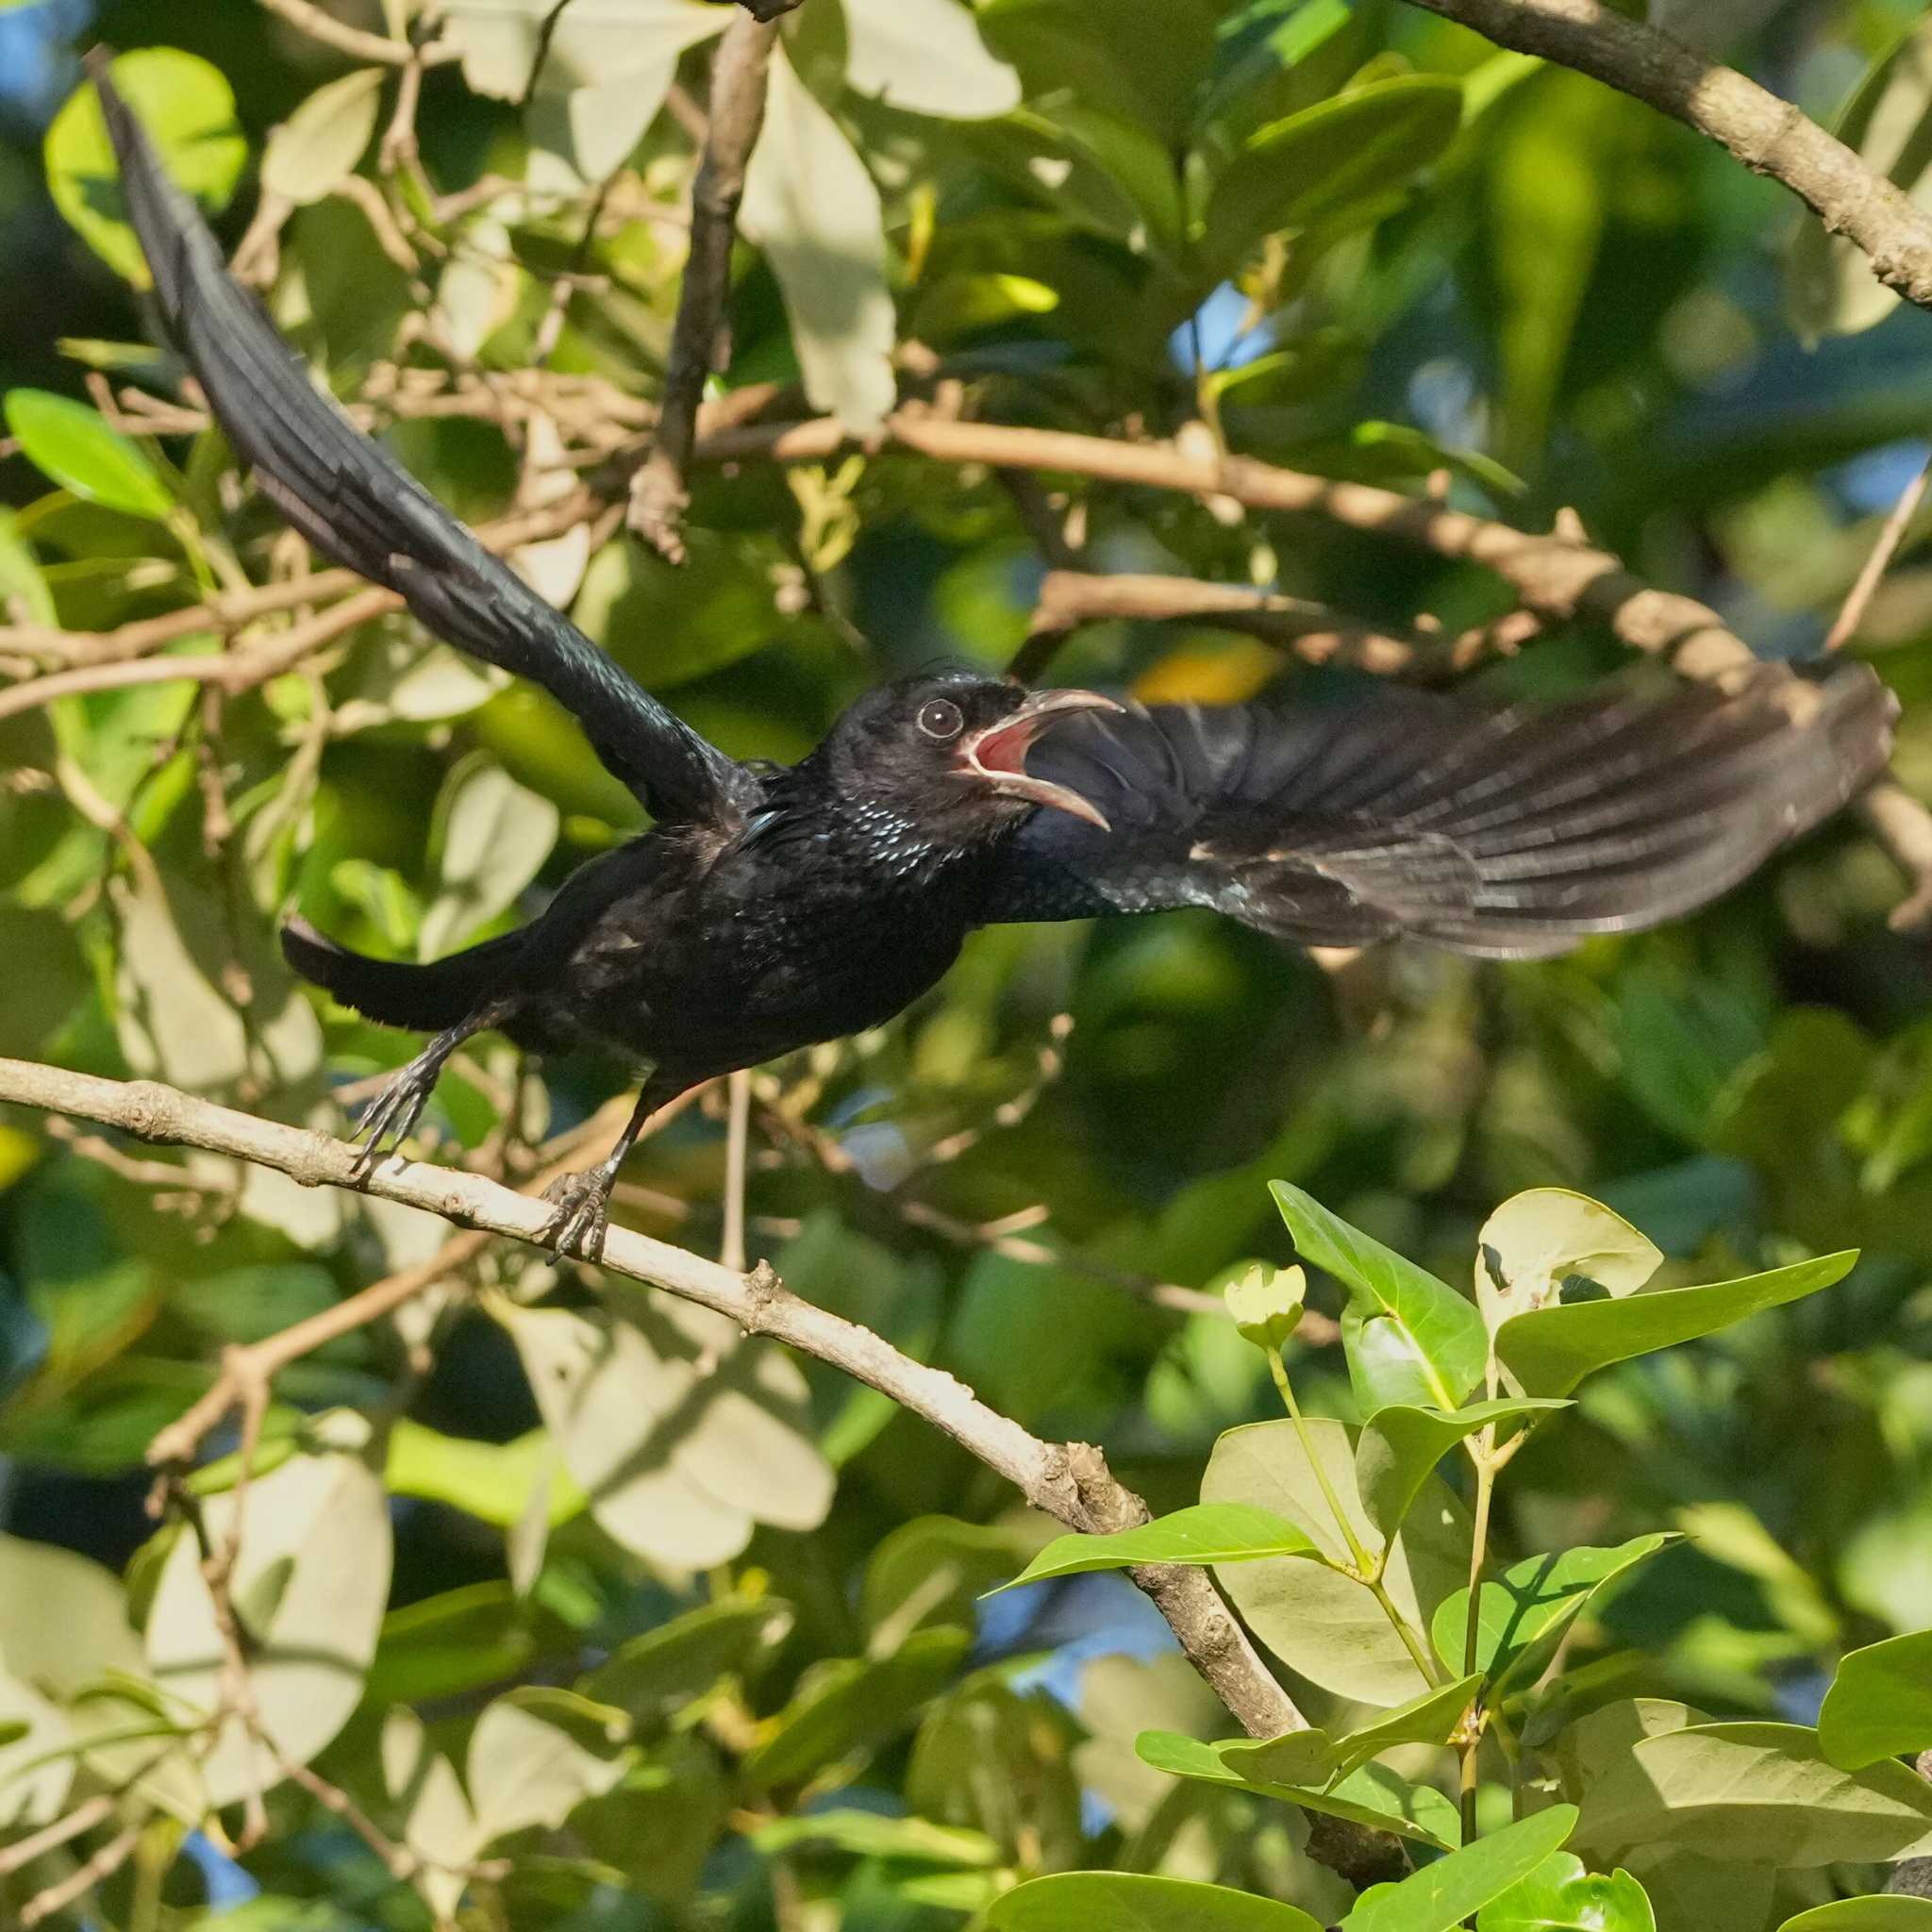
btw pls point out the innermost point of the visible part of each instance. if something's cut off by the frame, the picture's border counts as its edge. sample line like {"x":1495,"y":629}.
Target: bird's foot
{"x":583,"y":1213}
{"x":392,"y":1115}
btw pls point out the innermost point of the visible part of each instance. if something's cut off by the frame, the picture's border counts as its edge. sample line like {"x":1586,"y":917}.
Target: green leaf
{"x":866,"y":1835}
{"x":1550,"y":1351}
{"x":1445,"y":1893}
{"x":1531,"y":1601}
{"x":315,"y":150}
{"x":1535,"y":1241}
{"x":533,"y":1758}
{"x":324,"y":1519}
{"x":1317,"y":1619}
{"x":24,"y":593}
{"x":1372,"y":1794}
{"x":1435,"y":1328}
{"x":1208,"y":1533}
{"x":83,"y":453}
{"x":1344,"y":161}
{"x":1880,"y":1704}
{"x":811,"y":206}
{"x":1756,"y":1794}
{"x":926,"y":57}
{"x":1128,"y":1902}
{"x":1881,"y":1912}
{"x":1425,"y":1720}
{"x":491,"y":1481}
{"x":653,"y":1676}
{"x":849,"y":1705}
{"x":1560,"y":1895}
{"x":491,"y":837}
{"x":188,"y":108}
{"x":1400,"y":1445}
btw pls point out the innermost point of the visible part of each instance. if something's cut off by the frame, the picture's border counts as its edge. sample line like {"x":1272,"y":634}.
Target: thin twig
{"x":1859,"y":597}
{"x":737,"y":1139}
{"x":307,"y":18}
{"x":658,"y":496}
{"x":50,"y":1837}
{"x":78,"y":1883}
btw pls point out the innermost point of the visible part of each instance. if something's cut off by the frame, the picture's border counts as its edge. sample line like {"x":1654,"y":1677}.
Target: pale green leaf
{"x":524,"y":1770}
{"x":1756,"y":1794}
{"x":1400,"y":1445}
{"x":810,"y":204}
{"x":1537,"y":1240}
{"x":492,"y":835}
{"x":1550,"y":1351}
{"x":315,"y":150}
{"x":1880,"y":1912}
{"x":324,"y":1519}
{"x":926,"y":57}
{"x":1318,"y":1620}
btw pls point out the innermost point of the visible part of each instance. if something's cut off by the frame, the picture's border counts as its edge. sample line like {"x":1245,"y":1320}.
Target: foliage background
{"x":1556,"y":297}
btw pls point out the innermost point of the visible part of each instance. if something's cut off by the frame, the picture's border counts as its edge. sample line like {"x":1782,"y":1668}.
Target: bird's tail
{"x":427,"y":999}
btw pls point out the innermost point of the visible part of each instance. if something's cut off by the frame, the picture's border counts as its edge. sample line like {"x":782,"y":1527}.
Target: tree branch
{"x":1769,"y":135}
{"x":1071,"y":1482}
{"x":659,"y":496}
{"x":1557,"y":578}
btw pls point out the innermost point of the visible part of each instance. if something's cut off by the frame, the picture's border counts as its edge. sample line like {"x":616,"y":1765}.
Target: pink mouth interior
{"x":1005,"y":747}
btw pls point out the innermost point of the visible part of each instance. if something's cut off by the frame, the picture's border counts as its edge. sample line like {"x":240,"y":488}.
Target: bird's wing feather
{"x":354,"y":504}
{"x":1509,"y":834}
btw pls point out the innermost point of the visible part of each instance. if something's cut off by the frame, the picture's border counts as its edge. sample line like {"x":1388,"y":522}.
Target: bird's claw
{"x":391,"y":1118}
{"x":583,"y":1213}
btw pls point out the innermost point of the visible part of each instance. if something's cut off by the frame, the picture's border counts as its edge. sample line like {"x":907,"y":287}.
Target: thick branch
{"x":1555,"y":578}
{"x":1769,"y":135}
{"x":658,"y":493}
{"x":1069,"y":1482}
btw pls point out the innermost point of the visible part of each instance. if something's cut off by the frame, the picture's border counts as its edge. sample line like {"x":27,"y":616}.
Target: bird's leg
{"x":583,"y":1200}
{"x":393,"y":1113}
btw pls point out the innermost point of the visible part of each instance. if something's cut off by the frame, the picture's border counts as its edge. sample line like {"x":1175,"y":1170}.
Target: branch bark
{"x":659,"y":496}
{"x":1769,"y":135}
{"x":1557,"y":578}
{"x":1071,"y":1482}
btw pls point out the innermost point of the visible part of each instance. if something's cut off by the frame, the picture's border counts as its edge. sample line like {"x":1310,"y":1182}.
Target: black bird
{"x":770,"y":908}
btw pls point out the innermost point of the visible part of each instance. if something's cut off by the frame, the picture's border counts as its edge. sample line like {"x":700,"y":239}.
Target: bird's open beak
{"x":998,"y":755}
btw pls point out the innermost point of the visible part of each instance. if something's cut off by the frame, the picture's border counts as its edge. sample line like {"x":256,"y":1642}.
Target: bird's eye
{"x":941,"y":718}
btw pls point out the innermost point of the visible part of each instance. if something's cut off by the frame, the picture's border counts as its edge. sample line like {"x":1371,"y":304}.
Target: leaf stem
{"x":1364,"y":1563}
{"x":1367,"y":1568}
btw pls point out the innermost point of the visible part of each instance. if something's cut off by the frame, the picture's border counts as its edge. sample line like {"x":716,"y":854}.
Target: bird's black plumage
{"x":768,"y":909}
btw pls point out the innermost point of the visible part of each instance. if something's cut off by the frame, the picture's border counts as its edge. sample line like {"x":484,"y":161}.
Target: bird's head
{"x":948,"y":754}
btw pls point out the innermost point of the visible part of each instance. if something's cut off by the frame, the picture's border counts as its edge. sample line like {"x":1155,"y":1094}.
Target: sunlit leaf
{"x":315,"y":150}
{"x":491,"y":836}
{"x":320,"y":1523}
{"x":1880,"y":1704}
{"x":1560,"y":1895}
{"x":810,"y":204}
{"x":1536,"y":1241}
{"x":1446,"y":1892}
{"x":1434,"y":1327}
{"x":926,"y":57}
{"x":188,"y":108}
{"x":81,"y":452}
{"x":1081,"y":1901}
{"x":1532,"y":1601}
{"x":1208,"y":1533}
{"x":1399,"y":1446}
{"x":1549,"y":1351}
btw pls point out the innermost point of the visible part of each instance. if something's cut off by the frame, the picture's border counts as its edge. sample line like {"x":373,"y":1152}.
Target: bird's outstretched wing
{"x":1508,"y":834}
{"x":358,"y":505}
